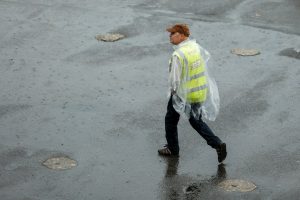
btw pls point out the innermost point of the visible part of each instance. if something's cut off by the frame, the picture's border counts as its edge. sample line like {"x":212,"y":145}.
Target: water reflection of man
{"x":174,"y":186}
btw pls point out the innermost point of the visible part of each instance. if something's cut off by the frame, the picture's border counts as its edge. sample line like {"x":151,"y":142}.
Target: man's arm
{"x":175,"y":74}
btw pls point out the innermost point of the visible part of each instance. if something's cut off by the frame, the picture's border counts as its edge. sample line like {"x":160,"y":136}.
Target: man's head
{"x":178,"y":33}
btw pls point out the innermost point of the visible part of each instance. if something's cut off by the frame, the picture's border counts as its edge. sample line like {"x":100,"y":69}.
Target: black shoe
{"x":221,"y":151}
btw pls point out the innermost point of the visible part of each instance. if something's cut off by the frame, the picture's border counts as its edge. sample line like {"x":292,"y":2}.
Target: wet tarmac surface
{"x":63,"y":93}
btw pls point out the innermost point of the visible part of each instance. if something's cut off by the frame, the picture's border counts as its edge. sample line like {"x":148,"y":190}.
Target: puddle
{"x":236,"y":185}
{"x":291,"y":52}
{"x":12,"y":108}
{"x":60,"y":163}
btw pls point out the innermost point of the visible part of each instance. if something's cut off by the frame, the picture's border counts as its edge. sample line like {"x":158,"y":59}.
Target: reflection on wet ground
{"x":172,"y":166}
{"x":175,"y":186}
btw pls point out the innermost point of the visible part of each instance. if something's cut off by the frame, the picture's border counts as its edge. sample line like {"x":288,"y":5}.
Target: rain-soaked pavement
{"x":102,"y":104}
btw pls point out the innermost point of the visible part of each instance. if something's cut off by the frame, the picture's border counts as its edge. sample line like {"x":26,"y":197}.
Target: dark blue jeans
{"x":171,"y":121}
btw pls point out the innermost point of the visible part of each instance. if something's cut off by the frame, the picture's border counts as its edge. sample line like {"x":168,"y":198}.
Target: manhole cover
{"x":110,"y":37}
{"x":60,"y":163}
{"x":245,"y":52}
{"x":237,"y":185}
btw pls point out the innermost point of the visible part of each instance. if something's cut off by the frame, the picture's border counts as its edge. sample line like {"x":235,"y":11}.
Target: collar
{"x":183,"y":43}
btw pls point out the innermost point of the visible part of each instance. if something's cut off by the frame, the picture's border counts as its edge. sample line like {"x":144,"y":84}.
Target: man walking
{"x":192,"y":92}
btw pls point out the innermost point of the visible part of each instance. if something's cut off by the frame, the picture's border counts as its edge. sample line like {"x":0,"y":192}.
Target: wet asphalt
{"x":63,"y":93}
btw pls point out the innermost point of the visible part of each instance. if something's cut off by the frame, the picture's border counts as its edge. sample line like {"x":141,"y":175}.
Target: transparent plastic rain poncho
{"x":209,"y":109}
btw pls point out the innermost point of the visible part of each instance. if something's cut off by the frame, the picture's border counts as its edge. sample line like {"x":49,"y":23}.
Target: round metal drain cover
{"x":245,"y":52}
{"x":60,"y":163}
{"x":237,"y":185}
{"x":110,"y":37}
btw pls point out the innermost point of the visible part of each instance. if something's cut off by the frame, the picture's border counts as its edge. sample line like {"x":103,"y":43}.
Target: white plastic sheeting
{"x":209,"y":109}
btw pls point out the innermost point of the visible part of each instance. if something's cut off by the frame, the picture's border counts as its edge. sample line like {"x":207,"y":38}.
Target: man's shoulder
{"x":176,"y":54}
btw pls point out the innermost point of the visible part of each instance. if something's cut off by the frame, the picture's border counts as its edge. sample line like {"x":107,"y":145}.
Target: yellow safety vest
{"x":193,"y":79}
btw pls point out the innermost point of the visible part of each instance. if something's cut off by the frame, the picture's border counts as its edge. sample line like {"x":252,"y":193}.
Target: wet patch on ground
{"x":100,"y":55}
{"x":276,"y":162}
{"x":252,"y":103}
{"x":291,"y":52}
{"x":146,"y":24}
{"x":268,"y":15}
{"x":140,"y":25}
{"x":139,"y":120}
{"x":207,"y":8}
{"x":15,"y":166}
{"x":283,"y":116}
{"x":250,"y":13}
{"x":12,"y":108}
{"x":127,"y":121}
{"x":292,"y":193}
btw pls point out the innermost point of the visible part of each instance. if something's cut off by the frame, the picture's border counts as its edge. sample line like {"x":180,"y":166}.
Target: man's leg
{"x":171,"y":121}
{"x":201,"y":127}
{"x":212,"y":140}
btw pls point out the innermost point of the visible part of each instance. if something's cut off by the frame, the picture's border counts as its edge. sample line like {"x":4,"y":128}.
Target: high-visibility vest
{"x":193,"y":79}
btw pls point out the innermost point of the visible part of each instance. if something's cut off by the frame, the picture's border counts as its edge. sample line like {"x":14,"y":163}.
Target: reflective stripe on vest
{"x":193,"y":72}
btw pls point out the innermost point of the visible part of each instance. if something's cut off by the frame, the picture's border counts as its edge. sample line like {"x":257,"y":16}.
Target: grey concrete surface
{"x":103,"y":104}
